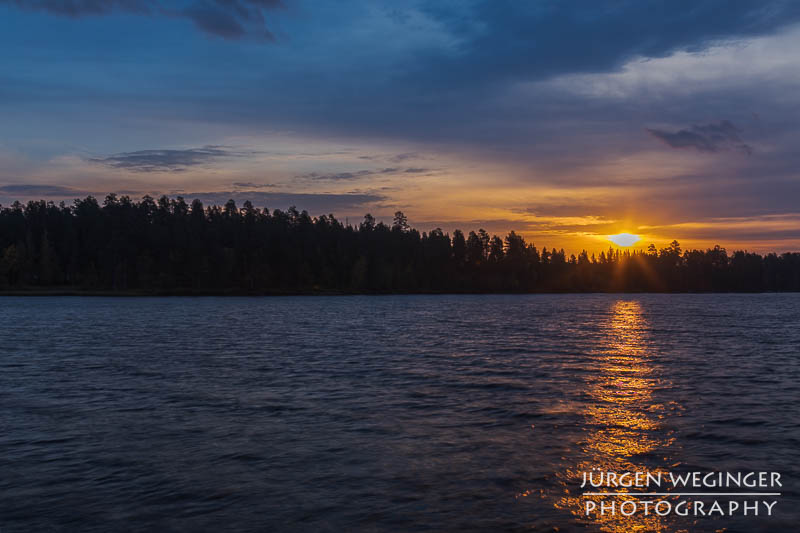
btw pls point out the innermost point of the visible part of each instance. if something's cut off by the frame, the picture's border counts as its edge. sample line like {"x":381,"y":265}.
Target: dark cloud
{"x":399,"y":158}
{"x":722,"y":135}
{"x":251,"y":185}
{"x":451,"y":87}
{"x":459,"y":91}
{"x":216,"y":21}
{"x":337,"y":176}
{"x":229,"y":19}
{"x":345,"y":176}
{"x":79,"y":8}
{"x":533,"y":40}
{"x":167,"y":160}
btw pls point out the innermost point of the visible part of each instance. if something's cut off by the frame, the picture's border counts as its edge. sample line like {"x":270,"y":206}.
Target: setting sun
{"x":624,"y":239}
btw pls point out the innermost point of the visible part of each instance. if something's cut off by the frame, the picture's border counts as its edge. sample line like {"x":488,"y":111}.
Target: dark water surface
{"x":386,"y":413}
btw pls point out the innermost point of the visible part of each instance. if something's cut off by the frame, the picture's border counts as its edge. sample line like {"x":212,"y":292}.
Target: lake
{"x":383,"y":413}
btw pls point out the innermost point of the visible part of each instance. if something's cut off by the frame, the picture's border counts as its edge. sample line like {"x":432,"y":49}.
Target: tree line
{"x":168,"y":246}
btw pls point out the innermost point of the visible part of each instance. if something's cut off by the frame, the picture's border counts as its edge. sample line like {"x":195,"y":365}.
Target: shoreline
{"x":240,"y":293}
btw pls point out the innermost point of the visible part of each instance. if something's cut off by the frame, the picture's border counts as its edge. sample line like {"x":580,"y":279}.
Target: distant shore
{"x":68,"y":291}
{"x":170,"y":247}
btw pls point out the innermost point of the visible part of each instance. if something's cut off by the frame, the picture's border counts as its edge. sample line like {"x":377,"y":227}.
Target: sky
{"x":567,"y":121}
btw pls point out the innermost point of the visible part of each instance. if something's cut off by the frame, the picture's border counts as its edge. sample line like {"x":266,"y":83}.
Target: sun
{"x":624,"y":239}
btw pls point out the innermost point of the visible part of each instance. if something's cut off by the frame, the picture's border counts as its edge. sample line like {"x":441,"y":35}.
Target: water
{"x":386,"y":413}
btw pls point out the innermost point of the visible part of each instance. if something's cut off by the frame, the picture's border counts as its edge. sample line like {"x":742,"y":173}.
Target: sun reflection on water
{"x":623,"y":422}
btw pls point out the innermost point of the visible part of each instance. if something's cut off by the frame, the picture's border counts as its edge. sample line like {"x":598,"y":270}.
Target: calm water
{"x":385,"y":413}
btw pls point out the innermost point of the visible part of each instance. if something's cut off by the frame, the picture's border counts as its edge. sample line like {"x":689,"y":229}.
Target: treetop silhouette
{"x":169,"y":246}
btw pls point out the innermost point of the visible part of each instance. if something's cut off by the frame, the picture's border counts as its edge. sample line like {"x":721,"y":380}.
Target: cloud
{"x":167,"y":160}
{"x":599,"y":208}
{"x":537,"y":40}
{"x":337,"y":176}
{"x":80,"y":8}
{"x":422,"y":84}
{"x":404,"y":157}
{"x":228,"y":19}
{"x":762,"y":229}
{"x":399,"y":158}
{"x":356,"y":174}
{"x":713,"y":137}
{"x":251,"y":185}
{"x":215,"y":21}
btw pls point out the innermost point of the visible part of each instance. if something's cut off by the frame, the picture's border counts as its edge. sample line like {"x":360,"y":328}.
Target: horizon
{"x":171,"y":247}
{"x":614,"y":244}
{"x":639,"y":245}
{"x":565,"y":122}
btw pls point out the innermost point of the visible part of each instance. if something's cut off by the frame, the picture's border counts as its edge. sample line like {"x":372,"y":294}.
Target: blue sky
{"x":567,"y":121}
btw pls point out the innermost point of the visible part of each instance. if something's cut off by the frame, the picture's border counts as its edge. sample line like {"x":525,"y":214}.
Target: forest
{"x":167,"y":246}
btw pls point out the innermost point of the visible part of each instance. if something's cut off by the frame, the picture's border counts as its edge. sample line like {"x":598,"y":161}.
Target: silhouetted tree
{"x":400,"y":222}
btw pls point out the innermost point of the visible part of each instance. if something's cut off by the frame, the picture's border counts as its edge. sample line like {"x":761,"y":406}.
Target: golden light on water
{"x":623,"y":420}
{"x":624,"y":239}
